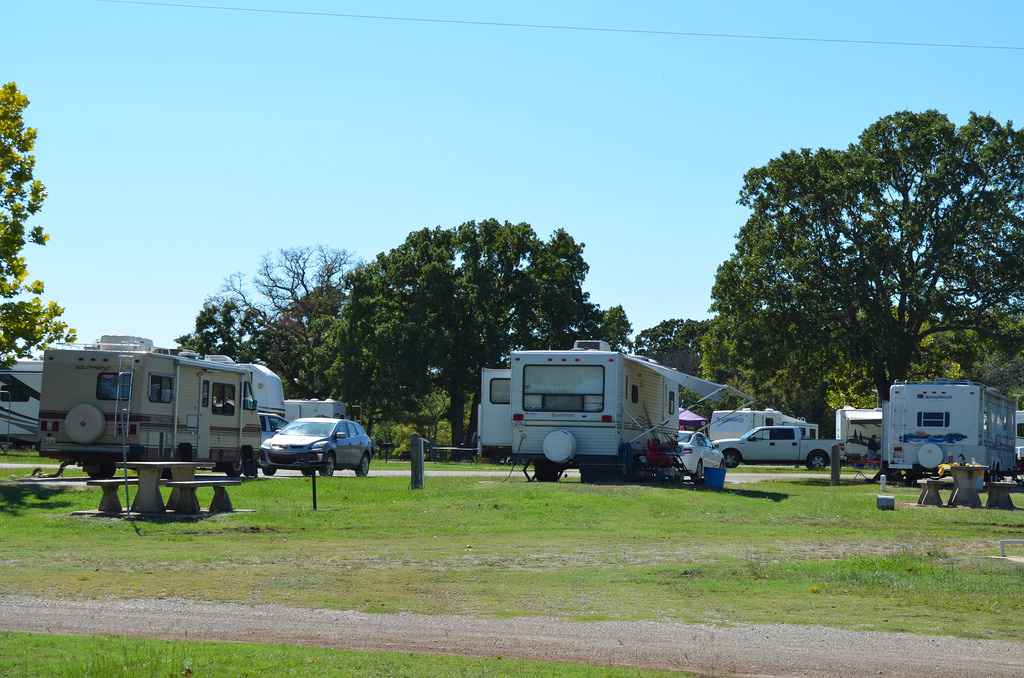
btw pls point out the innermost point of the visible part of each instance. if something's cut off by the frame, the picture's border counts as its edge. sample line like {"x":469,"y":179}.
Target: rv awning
{"x":702,"y":387}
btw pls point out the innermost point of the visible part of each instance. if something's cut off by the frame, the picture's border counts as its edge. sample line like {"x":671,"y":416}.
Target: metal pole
{"x":835,"y":464}
{"x":313,"y":477}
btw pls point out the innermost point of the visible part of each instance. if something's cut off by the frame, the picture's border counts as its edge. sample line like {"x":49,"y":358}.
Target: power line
{"x":568,"y":27}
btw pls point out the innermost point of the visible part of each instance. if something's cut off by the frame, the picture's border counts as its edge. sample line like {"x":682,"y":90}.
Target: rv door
{"x":202,"y":451}
{"x":495,"y":419}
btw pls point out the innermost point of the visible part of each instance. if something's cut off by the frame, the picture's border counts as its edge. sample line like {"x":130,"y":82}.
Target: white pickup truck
{"x":778,"y":445}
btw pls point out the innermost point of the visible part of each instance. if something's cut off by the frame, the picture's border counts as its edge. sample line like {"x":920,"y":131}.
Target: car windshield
{"x":685,"y":437}
{"x":308,"y":428}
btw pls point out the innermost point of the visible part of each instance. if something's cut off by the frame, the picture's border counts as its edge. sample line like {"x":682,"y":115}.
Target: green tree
{"x":675,"y":342}
{"x":863,"y":255}
{"x":26,"y":323}
{"x":616,"y":328}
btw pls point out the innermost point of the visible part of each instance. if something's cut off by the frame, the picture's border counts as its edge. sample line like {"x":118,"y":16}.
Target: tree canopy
{"x":26,"y":323}
{"x":862,"y":255}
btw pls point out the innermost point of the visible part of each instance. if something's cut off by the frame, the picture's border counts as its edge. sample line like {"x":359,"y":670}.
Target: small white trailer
{"x":297,"y":409}
{"x":860,"y":430}
{"x":936,"y":422}
{"x":20,"y":385}
{"x":595,"y":409}
{"x":729,"y":424}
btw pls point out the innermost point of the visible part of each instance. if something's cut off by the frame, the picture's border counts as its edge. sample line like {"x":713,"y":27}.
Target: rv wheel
{"x":233,"y":469}
{"x":546,"y":472}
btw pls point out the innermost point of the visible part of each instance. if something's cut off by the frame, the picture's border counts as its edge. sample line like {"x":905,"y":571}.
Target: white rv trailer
{"x":494,"y":415}
{"x":1019,"y":422}
{"x":120,"y":395}
{"x":19,"y":401}
{"x":593,"y":408}
{"x":266,"y":385}
{"x":734,"y":423}
{"x":861,"y":431}
{"x":298,"y":409}
{"x":936,"y":422}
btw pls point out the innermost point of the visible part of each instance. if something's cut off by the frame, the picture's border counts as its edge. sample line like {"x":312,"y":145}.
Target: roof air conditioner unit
{"x":591,"y":345}
{"x":219,"y":359}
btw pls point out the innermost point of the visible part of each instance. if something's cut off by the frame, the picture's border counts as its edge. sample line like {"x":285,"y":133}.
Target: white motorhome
{"x":304,"y":409}
{"x":860,"y":430}
{"x":728,"y":424}
{"x":593,"y":408}
{"x":936,"y":422}
{"x":266,"y":385}
{"x":494,"y":415}
{"x":19,"y":401}
{"x":123,"y":396}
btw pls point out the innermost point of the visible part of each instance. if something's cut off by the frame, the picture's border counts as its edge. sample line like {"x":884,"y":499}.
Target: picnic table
{"x":452,"y":453}
{"x":148,"y":499}
{"x":967,"y":478}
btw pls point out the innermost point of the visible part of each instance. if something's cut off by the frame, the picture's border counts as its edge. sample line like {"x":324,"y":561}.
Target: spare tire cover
{"x":929,"y":455}
{"x":559,"y":446}
{"x":84,"y":424}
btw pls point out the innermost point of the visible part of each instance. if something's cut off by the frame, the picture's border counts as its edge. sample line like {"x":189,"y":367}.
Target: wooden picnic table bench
{"x":187,"y":503}
{"x":110,"y":502}
{"x":999,"y":496}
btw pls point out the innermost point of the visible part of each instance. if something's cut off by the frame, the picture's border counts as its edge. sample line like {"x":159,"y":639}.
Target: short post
{"x":835,"y":464}
{"x":416,"y":460}
{"x":313,"y":478}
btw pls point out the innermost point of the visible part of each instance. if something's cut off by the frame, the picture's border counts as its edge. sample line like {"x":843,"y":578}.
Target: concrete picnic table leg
{"x":110,"y":502}
{"x":180,"y":473}
{"x":999,"y":498}
{"x":929,"y":495}
{"x":221,"y":501}
{"x":184,"y":501}
{"x":966,"y":492}
{"x":148,"y":499}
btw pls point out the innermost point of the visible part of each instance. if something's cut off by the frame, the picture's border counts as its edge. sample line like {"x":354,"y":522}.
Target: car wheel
{"x":100,"y":471}
{"x":363,"y":469}
{"x":698,"y":475}
{"x":817,"y":459}
{"x":233,"y":469}
{"x":269,"y":470}
{"x":327,"y":469}
{"x":308,"y":472}
{"x":732,"y":458}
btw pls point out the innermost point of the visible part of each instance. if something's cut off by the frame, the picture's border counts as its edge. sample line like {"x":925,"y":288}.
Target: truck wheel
{"x":100,"y":471}
{"x":817,"y":459}
{"x":732,"y":458}
{"x":363,"y":469}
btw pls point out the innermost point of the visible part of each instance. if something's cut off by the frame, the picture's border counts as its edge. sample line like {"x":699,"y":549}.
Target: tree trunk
{"x":456,"y":414}
{"x":474,"y":411}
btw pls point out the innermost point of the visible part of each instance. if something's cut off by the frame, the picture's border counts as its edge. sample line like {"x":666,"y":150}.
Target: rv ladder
{"x":123,"y":413}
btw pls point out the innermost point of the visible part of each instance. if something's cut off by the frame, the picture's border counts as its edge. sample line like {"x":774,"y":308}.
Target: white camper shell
{"x":494,"y":415}
{"x":120,"y":393}
{"x":592,"y":408}
{"x":936,"y":422}
{"x":860,"y":430}
{"x":729,"y":424}
{"x":19,"y":402}
{"x":305,"y":409}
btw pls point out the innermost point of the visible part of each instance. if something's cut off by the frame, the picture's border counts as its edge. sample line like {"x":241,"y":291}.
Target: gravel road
{"x":746,"y":650}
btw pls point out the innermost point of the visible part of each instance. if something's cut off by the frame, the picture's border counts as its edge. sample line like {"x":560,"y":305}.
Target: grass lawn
{"x":797,"y":551}
{"x":23,"y":654}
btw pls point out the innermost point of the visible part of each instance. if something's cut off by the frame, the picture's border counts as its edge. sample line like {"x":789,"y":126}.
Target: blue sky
{"x":179,"y":145}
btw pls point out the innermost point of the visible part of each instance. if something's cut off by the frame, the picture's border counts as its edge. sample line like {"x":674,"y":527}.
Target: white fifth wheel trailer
{"x":300,"y":409}
{"x":734,"y":423}
{"x":598,"y":410}
{"x":19,"y":402}
{"x":936,"y":422}
{"x":860,"y":430}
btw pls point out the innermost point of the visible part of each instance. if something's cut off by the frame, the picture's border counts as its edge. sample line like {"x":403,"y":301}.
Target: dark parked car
{"x":330,"y":443}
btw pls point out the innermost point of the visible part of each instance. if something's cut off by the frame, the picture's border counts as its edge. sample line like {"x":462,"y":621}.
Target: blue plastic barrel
{"x":714,"y":478}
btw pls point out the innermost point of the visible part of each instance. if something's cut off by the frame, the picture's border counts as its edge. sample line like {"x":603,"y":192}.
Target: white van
{"x":19,"y":402}
{"x":937,"y":422}
{"x":731,"y":424}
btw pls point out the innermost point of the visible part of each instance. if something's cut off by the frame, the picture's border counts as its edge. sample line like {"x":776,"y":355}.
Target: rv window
{"x":634,"y":393}
{"x":769,"y":421}
{"x":223,"y":399}
{"x":107,"y":386}
{"x":781,"y":434}
{"x":500,"y":391}
{"x":14,"y":391}
{"x":206,"y":394}
{"x":563,"y":388}
{"x":161,"y":389}
{"x":671,"y":402}
{"x":933,"y":419}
